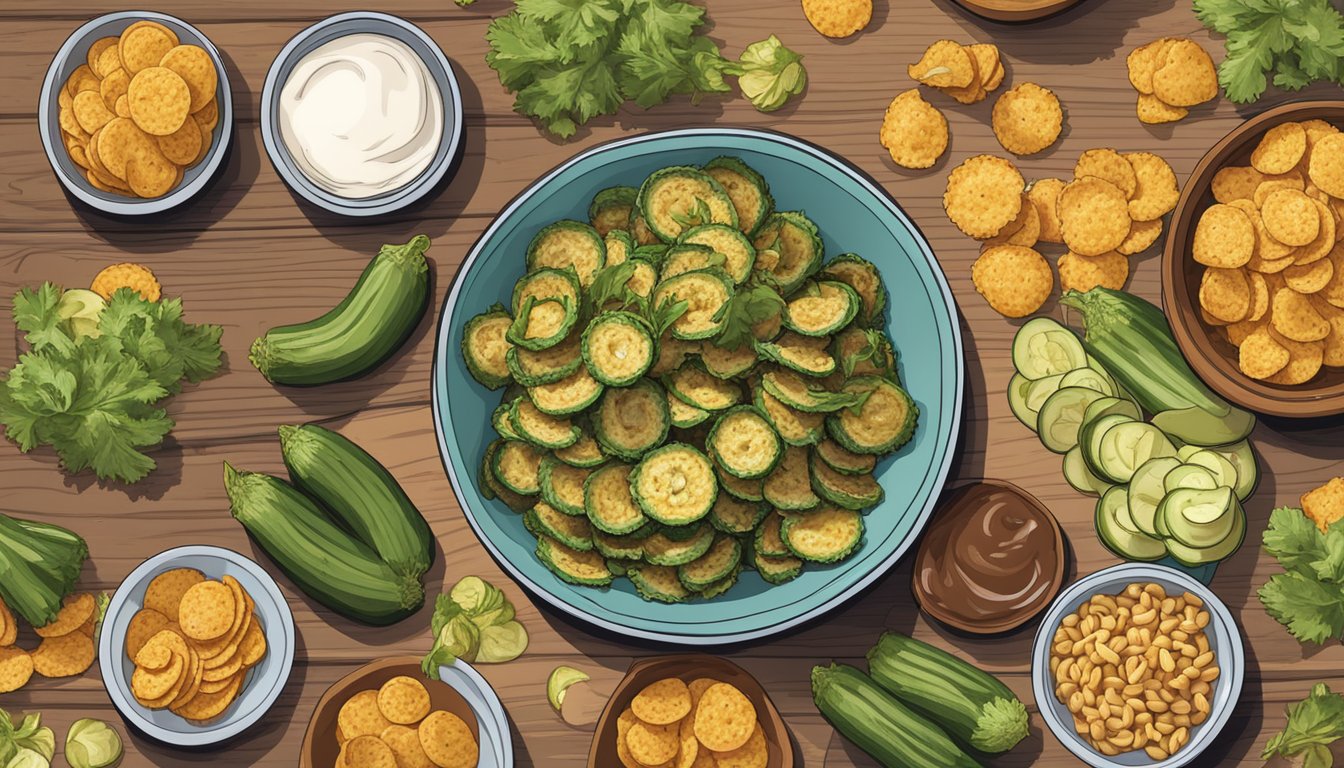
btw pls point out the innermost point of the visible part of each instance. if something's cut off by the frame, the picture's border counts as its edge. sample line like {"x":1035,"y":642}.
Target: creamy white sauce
{"x":361,"y":115}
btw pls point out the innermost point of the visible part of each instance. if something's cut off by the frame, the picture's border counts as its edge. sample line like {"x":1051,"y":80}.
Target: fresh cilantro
{"x":747,"y":307}
{"x":661,"y":317}
{"x":1293,"y":538}
{"x":1308,"y":598}
{"x":874,"y":344}
{"x":611,"y":284}
{"x":1313,"y":724}
{"x":1299,"y":40}
{"x":700,"y":215}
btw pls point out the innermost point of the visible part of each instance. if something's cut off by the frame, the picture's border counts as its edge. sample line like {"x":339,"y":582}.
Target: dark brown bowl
{"x":946,"y":515}
{"x":688,"y":667}
{"x":320,"y":749}
{"x":1213,"y":358}
{"x":1016,"y":10}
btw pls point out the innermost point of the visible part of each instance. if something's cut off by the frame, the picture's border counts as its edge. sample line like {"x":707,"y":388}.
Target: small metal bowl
{"x":72,"y":54}
{"x":362,"y":22}
{"x":1224,"y":639}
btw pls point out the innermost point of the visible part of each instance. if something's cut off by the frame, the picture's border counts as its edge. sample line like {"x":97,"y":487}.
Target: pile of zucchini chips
{"x":689,"y":388}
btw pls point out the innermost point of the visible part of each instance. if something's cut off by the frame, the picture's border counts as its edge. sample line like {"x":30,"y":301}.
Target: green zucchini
{"x":856,"y":491}
{"x":585,"y":452}
{"x":681,"y":258}
{"x":683,"y":414}
{"x":711,"y":591}
{"x":365,"y":329}
{"x":705,"y":291}
{"x":485,"y":347}
{"x":628,"y":547}
{"x":617,"y":348}
{"x":738,"y":256}
{"x":735,"y":516}
{"x":620,"y":247}
{"x":716,"y":564}
{"x":674,"y":484}
{"x":777,"y":570}
{"x":806,"y":355}
{"x":793,"y":242}
{"x":659,"y":583}
{"x":546,"y":306}
{"x":532,"y":368}
{"x":492,"y":488}
{"x":568,"y":244}
{"x":743,"y":443}
{"x":847,"y":462}
{"x":861,"y":275}
{"x":746,"y":188}
{"x":880,"y":725}
{"x":727,"y":363}
{"x":970,"y":704}
{"x":361,"y":493}
{"x":833,"y":308}
{"x":695,"y":386}
{"x":573,"y":532}
{"x":631,"y":421}
{"x":738,"y":488}
{"x":827,"y":534}
{"x":499,"y":419}
{"x":541,"y":429}
{"x":1118,"y":530}
{"x":562,"y":485}
{"x":885,"y":422}
{"x":795,"y":427}
{"x":802,"y":395}
{"x":328,"y":564}
{"x":611,"y":209}
{"x":671,"y":547}
{"x":767,"y":540}
{"x":569,"y":395}
{"x":607,"y":500}
{"x":789,"y":486}
{"x":572,"y":565}
{"x":678,"y":198}
{"x":1043,"y":348}
{"x":517,"y":465}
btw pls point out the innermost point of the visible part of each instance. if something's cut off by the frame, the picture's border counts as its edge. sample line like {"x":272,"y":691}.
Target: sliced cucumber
{"x":1125,"y":447}
{"x":1017,"y":400}
{"x":1193,"y":556}
{"x":1118,"y":531}
{"x":1040,"y":390}
{"x":1199,"y":519}
{"x":1191,"y":476}
{"x":1061,"y":417}
{"x":1109,"y":405}
{"x":1242,"y":457}
{"x":1090,"y":378}
{"x":1146,"y":491}
{"x":1081,"y":476}
{"x":1218,"y":464}
{"x":1089,"y":439}
{"x":1043,"y":347}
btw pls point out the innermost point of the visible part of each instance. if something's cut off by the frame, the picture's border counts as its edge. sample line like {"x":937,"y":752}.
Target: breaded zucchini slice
{"x":573,"y":532}
{"x":789,"y":486}
{"x":727,"y":363}
{"x":712,"y":591}
{"x":659,"y":583}
{"x":746,"y":188}
{"x":743,"y":443}
{"x":767,"y":329}
{"x":681,"y":258}
{"x":571,"y":565}
{"x":617,"y":348}
{"x":631,"y":421}
{"x":545,"y":366}
{"x":674,"y":484}
{"x":717,"y":564}
{"x":804,"y":354}
{"x":864,"y":351}
{"x":562,"y":485}
{"x":705,"y":292}
{"x":620,"y":246}
{"x":746,"y":490}
{"x":569,"y":395}
{"x":517,"y":465}
{"x":802,"y":395}
{"x":485,"y":347}
{"x":833,"y":308}
{"x":860,"y":274}
{"x":843,"y":460}
{"x":639,"y":230}
{"x":492,"y":488}
{"x":795,"y":249}
{"x":545,"y":307}
{"x":767,"y":540}
{"x":611,"y":209}
{"x":585,"y":452}
{"x":735,"y":516}
{"x":668,"y":547}
{"x":884,"y":423}
{"x":541,"y":429}
{"x":849,"y":491}
{"x":652,"y":253}
{"x":627,"y":547}
{"x":671,"y":354}
{"x":678,"y":198}
{"x":695,"y":386}
{"x":502,"y":423}
{"x":777,"y":570}
{"x":828,"y":534}
{"x":607,"y":500}
{"x":684,"y":415}
{"x":738,"y":254}
{"x":568,"y":244}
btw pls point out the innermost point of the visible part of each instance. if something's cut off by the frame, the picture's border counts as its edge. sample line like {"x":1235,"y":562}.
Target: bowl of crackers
{"x":1253,"y":272}
{"x":682,"y":709}
{"x":196,"y":646}
{"x":135,"y":113}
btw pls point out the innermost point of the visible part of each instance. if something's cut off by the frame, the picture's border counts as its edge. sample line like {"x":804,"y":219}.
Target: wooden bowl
{"x":1016,"y":10}
{"x":688,"y":667}
{"x":1212,"y":357}
{"x":320,"y":749}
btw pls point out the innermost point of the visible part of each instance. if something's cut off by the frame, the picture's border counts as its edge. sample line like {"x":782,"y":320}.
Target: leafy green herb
{"x":474,"y":622}
{"x":769,"y":73}
{"x":612,"y":284}
{"x":1308,"y":598}
{"x":662,"y":317}
{"x":747,"y":307}
{"x":1313,"y":724}
{"x":28,"y":735}
{"x":701,"y":215}
{"x":874,"y":343}
{"x":1299,"y":40}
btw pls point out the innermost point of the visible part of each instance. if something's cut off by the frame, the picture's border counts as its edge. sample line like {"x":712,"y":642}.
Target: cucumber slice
{"x":631,"y":421}
{"x":1146,"y":491}
{"x":824,"y":314}
{"x":517,"y":465}
{"x":1190,"y":476}
{"x":1040,"y":390}
{"x":789,"y":487}
{"x":1109,"y":405}
{"x":776,"y":569}
{"x":1089,"y":439}
{"x":696,"y":386}
{"x":1017,"y":400}
{"x":485,"y":347}
{"x":562,"y":485}
{"x":1243,"y":460}
{"x":674,"y":484}
{"x":573,"y":532}
{"x":1125,"y":447}
{"x":568,"y":244}
{"x":795,"y":427}
{"x":1118,"y":531}
{"x":744,"y":444}
{"x":1186,"y":451}
{"x":788,"y":249}
{"x":1194,"y":557}
{"x":664,"y":549}
{"x":845,"y":461}
{"x":678,"y":198}
{"x":734,"y":516}
{"x":885,"y":422}
{"x":1090,"y":379}
{"x":610,"y":209}
{"x":569,"y":395}
{"x":1199,"y":519}
{"x":705,"y":293}
{"x":533,"y":368}
{"x":1043,"y":347}
{"x":571,"y":565}
{"x":543,"y":429}
{"x":767,"y":539}
{"x":1081,"y":476}
{"x":863,"y":277}
{"x":1061,"y":417}
{"x":1221,"y":467}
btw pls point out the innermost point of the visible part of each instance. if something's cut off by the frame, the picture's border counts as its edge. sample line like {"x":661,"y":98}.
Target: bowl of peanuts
{"x":1137,"y":665}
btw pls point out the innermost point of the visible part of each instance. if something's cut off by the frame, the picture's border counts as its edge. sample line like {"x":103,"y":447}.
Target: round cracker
{"x":1044,"y":197}
{"x":368,"y":752}
{"x":1109,"y":165}
{"x":1280,"y":149}
{"x":95,"y":51}
{"x":360,"y":715}
{"x":1154,"y":111}
{"x":1295,"y":317}
{"x":144,"y":625}
{"x":207,"y":706}
{"x":253,"y":646}
{"x":1156,"y":191}
{"x":753,"y":754}
{"x":1270,"y":255}
{"x":1304,"y":361}
{"x":838,"y":18}
{"x":1325,"y":239}
{"x":90,"y":111}
{"x":151,"y":175}
{"x":1027,"y":119}
{"x":1235,"y":182}
{"x":913,"y":131}
{"x":1016,"y":281}
{"x":207,"y":609}
{"x":403,"y":700}
{"x":108,"y":62}
{"x":1225,"y":294}
{"x":1291,"y":217}
{"x":196,"y":69}
{"x":1224,"y":237}
{"x":405,"y":745}
{"x":1310,"y":278}
{"x":16,"y":669}
{"x":725,"y":717}
{"x":945,"y":64}
{"x":82,"y":79}
{"x":75,"y":610}
{"x":1260,"y":356}
{"x":164,"y":593}
{"x":983,"y":195}
{"x":662,"y":702}
{"x":9,"y":627}
{"x":113,"y":87}
{"x":688,"y":745}
{"x":698,"y":686}
{"x":152,"y":684}
{"x":1187,"y":76}
{"x":1333,"y":351}
{"x":1259,"y":297}
{"x":1141,"y":63}
{"x":1142,"y":235}
{"x":64,"y":656}
{"x":1083,"y":273}
{"x":121,"y":140}
{"x":143,"y":45}
{"x":652,"y":745}
{"x":159,"y":651}
{"x":1025,"y":230}
{"x":1271,"y":184}
{"x":159,"y":100}
{"x":1093,"y":216}
{"x":1326,"y":165}
{"x":183,"y":145}
{"x":448,"y":741}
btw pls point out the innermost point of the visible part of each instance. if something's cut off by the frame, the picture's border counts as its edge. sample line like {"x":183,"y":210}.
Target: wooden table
{"x":249,"y":256}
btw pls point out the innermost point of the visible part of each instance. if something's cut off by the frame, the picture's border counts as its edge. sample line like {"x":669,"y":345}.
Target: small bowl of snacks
{"x":196,"y":646}
{"x":136,"y":113}
{"x":1253,"y":273}
{"x":1137,"y":665}
{"x":361,"y":114}
{"x":669,"y":708}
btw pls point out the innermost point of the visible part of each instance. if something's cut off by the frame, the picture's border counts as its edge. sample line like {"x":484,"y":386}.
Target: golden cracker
{"x":1326,"y":165}
{"x":838,"y":18}
{"x":196,"y":69}
{"x":1016,"y":281}
{"x":724,"y":718}
{"x":1108,"y":165}
{"x":75,"y":610}
{"x":360,"y":715}
{"x":1224,"y":237}
{"x":143,"y":45}
{"x":1280,"y":148}
{"x":16,"y":669}
{"x":1044,"y":197}
{"x":1153,"y":111}
{"x":1294,"y":317}
{"x":448,"y":741}
{"x":207,"y":609}
{"x":1290,"y":217}
{"x":1260,"y":356}
{"x":913,"y":131}
{"x":1142,"y":235}
{"x":1093,"y":216}
{"x":1304,"y":361}
{"x":1187,"y":76}
{"x":403,"y":700}
{"x":662,"y":702}
{"x":64,"y":656}
{"x":1027,"y":119}
{"x":945,"y":64}
{"x":164,"y":593}
{"x":1083,"y":273}
{"x":983,"y":195}
{"x":1156,"y":191}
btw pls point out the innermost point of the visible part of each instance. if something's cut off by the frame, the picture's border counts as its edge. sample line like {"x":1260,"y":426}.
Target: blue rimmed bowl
{"x":854,"y":214}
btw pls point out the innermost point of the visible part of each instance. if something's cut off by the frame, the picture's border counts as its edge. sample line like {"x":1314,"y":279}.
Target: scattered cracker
{"x":1083,"y":273}
{"x":1027,"y":119}
{"x":1093,"y":215}
{"x":914,"y":131}
{"x":1016,"y":281}
{"x":983,"y":195}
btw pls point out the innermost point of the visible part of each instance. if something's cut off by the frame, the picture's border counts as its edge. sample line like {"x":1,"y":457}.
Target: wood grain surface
{"x":248,"y":255}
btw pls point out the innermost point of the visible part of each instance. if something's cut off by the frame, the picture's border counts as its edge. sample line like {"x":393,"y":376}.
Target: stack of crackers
{"x":393,"y":727}
{"x":67,"y":648}
{"x":670,"y":724}
{"x":1171,"y":75}
{"x":140,"y":112}
{"x":1274,"y":279}
{"x":193,"y":644}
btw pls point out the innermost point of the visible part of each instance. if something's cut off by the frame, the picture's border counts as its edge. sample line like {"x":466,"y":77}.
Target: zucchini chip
{"x":847,"y":462}
{"x":516,"y":464}
{"x":746,"y":188}
{"x":571,"y":565}
{"x":705,"y":292}
{"x":607,"y":500}
{"x":645,"y":277}
{"x":502,"y":423}
{"x":712,"y":591}
{"x":674,"y":199}
{"x":801,"y":395}
{"x":738,"y":254}
{"x":767,"y":540}
{"x":671,"y":354}
{"x":794,"y":427}
{"x":617,"y":348}
{"x":685,"y":257}
{"x":568,"y":244}
{"x":864,"y":351}
{"x":639,"y":230}
{"x":620,"y":246}
{"x":860,"y":274}
{"x":795,"y":249}
{"x":562,"y":485}
{"x":541,"y":429}
{"x":485,"y":347}
{"x":884,"y":422}
{"x":684,"y":415}
{"x":826,"y":535}
{"x":631,"y":421}
{"x":848,"y":491}
{"x":545,"y":307}
{"x":492,"y":488}
{"x":663,"y":548}
{"x":744,"y":444}
{"x":545,"y":366}
{"x":789,"y":486}
{"x":573,"y":532}
{"x":585,"y":452}
{"x":610,"y":209}
{"x":727,"y":363}
{"x":746,"y":490}
{"x":806,"y":355}
{"x":717,"y":564}
{"x":833,"y":308}
{"x":674,"y":484}
{"x":735,"y":516}
{"x":660,"y":583}
{"x":777,"y":570}
{"x":695,"y":386}
{"x":627,"y":547}
{"x":571,"y":394}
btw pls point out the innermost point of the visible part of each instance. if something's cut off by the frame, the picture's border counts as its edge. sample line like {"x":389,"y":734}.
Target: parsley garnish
{"x":1299,"y":40}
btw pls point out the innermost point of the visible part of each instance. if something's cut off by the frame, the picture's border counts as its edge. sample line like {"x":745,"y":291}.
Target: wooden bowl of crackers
{"x":1253,"y":271}
{"x":135,"y":113}
{"x":1016,"y":10}
{"x":668,"y":706}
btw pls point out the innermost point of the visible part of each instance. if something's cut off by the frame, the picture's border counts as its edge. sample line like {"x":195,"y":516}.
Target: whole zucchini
{"x":328,"y":564}
{"x":362,"y":493}
{"x":968,"y":703}
{"x":881,"y":726}
{"x":366,"y":328}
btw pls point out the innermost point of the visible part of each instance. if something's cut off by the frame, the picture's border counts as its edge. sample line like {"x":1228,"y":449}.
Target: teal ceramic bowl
{"x":854,"y":214}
